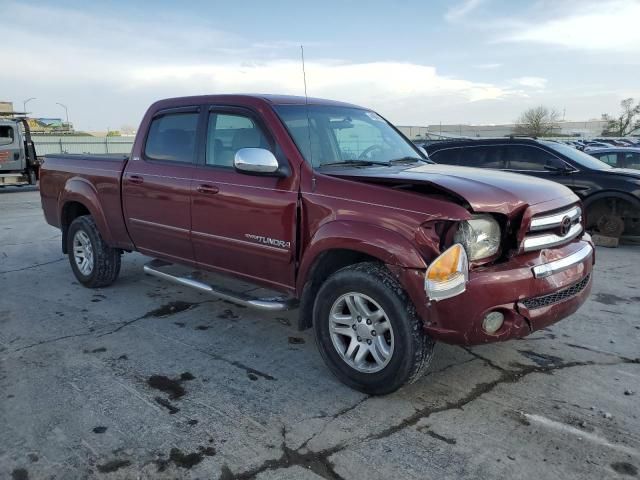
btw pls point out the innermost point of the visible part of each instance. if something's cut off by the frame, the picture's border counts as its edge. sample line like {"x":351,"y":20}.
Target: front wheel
{"x":94,"y":263}
{"x":368,"y":332}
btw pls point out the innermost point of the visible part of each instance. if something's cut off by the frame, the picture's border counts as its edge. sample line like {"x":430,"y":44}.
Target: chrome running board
{"x":275,"y":304}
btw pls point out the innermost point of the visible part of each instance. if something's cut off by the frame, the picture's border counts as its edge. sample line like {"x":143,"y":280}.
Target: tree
{"x":624,"y":124}
{"x":537,"y":122}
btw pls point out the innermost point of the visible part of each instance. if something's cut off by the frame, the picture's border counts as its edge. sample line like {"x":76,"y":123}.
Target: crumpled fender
{"x":78,"y":189}
{"x":388,"y":246}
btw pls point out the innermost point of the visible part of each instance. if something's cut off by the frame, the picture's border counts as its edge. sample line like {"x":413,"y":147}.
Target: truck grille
{"x":552,"y":298}
{"x":550,"y":230}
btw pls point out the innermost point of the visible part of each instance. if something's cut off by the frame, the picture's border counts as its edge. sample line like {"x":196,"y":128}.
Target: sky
{"x":415,"y":62}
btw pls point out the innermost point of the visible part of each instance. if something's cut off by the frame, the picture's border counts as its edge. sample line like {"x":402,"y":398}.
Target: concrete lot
{"x":247,"y":396}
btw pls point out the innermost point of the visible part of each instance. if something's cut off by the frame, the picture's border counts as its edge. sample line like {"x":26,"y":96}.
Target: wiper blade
{"x":406,"y":160}
{"x":357,"y":163}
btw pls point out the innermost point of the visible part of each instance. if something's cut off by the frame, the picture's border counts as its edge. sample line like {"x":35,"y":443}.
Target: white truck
{"x":19,"y":164}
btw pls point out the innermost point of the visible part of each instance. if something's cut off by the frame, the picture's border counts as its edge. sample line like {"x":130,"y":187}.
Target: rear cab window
{"x":172,"y":137}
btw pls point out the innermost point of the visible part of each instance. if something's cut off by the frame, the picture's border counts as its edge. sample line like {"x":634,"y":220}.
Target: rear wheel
{"x":94,"y":263}
{"x":368,"y":332}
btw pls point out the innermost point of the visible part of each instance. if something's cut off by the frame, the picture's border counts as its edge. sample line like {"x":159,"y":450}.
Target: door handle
{"x":137,"y":179}
{"x":206,"y":188}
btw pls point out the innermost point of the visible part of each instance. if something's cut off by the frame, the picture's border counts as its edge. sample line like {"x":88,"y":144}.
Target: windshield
{"x":345,"y":135}
{"x":6,"y":135}
{"x":577,"y":156}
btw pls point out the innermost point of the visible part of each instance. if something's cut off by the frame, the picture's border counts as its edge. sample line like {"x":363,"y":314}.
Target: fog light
{"x":492,"y":322}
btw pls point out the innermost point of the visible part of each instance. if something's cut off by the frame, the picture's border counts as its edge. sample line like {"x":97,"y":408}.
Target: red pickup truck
{"x":328,"y":204}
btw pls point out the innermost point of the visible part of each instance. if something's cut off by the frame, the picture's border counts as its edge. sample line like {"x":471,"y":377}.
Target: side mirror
{"x":257,"y":161}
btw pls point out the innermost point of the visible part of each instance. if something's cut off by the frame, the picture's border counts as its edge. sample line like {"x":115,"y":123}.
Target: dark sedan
{"x":611,"y":196}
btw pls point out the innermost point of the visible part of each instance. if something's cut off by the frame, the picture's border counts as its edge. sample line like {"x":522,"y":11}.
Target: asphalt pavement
{"x":150,"y":380}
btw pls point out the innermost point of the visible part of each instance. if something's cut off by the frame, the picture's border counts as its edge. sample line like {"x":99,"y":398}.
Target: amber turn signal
{"x":447,"y":275}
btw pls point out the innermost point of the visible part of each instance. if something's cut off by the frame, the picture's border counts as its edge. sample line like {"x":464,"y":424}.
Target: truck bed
{"x":97,"y":177}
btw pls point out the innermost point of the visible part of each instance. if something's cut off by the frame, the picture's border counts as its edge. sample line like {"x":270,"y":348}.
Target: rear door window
{"x":608,"y":158}
{"x":486,"y":156}
{"x":632,"y":160}
{"x":530,"y":159}
{"x":172,"y":137}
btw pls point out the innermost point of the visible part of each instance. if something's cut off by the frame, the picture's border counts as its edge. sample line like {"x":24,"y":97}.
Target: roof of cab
{"x":268,"y":98}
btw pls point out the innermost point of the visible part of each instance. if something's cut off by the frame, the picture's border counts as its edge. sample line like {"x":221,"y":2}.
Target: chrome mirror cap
{"x":255,"y":160}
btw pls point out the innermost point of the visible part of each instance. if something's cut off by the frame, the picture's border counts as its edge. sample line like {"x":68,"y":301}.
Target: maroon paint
{"x":199,"y":215}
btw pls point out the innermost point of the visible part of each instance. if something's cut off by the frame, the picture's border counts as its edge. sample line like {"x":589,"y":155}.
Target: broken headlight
{"x":480,"y":236}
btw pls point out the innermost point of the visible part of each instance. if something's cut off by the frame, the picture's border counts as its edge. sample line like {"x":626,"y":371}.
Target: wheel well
{"x":70,"y":212}
{"x":619,"y":205}
{"x":323,"y":267}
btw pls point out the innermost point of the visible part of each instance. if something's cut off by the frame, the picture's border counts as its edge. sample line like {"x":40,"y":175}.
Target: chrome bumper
{"x":546,"y":269}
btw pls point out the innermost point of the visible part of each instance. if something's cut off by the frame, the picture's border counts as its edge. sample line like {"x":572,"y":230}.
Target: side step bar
{"x":276,"y":304}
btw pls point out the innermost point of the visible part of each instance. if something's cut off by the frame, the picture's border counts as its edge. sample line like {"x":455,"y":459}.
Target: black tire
{"x":413,"y":349}
{"x":32,"y":176}
{"x":106,"y":260}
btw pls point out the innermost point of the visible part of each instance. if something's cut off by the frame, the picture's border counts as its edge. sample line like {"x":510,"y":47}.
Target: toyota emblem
{"x":565,"y":226}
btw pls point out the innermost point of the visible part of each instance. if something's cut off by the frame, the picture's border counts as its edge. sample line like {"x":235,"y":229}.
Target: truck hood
{"x":482,"y":189}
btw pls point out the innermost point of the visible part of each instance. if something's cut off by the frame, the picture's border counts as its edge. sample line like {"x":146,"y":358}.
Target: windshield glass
{"x":345,"y":135}
{"x":577,"y":156}
{"x":6,"y":135}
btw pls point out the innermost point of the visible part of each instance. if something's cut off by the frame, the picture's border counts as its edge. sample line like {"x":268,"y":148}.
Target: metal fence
{"x":67,"y":144}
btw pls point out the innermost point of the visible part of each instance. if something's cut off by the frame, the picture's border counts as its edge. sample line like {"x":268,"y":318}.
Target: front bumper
{"x":532,"y":291}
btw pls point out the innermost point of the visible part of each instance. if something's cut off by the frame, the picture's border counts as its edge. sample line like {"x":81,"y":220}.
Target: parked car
{"x":593,"y":145}
{"x":621,"y":157}
{"x":330,"y":205}
{"x":611,"y":196}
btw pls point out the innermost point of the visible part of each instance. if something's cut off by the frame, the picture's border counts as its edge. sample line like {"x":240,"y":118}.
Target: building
{"x":587,"y":129}
{"x":6,"y":107}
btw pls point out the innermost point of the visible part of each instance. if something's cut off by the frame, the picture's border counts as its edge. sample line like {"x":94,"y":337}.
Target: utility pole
{"x":24,"y":104}
{"x":66,"y":111}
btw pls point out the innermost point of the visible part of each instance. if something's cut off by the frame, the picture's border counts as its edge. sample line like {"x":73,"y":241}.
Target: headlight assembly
{"x":479,"y":236}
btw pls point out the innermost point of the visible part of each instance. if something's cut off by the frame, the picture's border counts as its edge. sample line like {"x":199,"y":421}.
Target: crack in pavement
{"x":594,"y":350}
{"x":335,"y":416}
{"x":32,"y":266}
{"x":150,"y":315}
{"x":319,"y":462}
{"x":506,"y":377}
{"x":51,"y":340}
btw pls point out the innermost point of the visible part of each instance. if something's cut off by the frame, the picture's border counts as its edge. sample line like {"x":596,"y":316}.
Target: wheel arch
{"x":339,"y":244}
{"x":78,"y":198}
{"x":601,"y":195}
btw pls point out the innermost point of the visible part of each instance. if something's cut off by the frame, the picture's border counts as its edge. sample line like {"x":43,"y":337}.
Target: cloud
{"x":531,"y":82}
{"x":487,"y":66}
{"x":462,"y":9}
{"x":360,"y":80}
{"x":602,"y":27}
{"x":107,"y":72}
